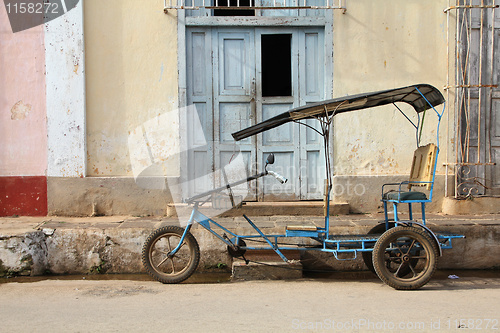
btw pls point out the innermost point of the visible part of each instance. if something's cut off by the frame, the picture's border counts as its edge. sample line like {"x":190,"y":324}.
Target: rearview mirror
{"x":270,"y":159}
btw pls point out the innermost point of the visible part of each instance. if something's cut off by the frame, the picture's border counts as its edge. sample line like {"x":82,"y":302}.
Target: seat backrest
{"x":422,"y":169}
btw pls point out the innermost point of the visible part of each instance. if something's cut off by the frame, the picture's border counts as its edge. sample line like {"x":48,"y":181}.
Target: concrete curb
{"x":37,"y":246}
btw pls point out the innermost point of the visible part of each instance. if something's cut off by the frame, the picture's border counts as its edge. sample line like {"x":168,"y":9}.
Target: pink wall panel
{"x":23,"y":129}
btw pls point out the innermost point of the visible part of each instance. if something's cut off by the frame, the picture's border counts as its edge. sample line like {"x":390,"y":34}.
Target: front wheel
{"x":161,"y":264}
{"x":405,"y":258}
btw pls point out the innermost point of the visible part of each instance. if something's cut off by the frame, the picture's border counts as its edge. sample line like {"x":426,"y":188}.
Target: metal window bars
{"x":473,"y":89}
{"x":254,"y":4}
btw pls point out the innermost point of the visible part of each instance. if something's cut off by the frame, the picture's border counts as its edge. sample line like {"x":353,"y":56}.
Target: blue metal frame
{"x":336,"y":244}
{"x":395,"y":202}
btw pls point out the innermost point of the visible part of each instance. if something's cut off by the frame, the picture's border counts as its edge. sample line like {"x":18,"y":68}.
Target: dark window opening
{"x":276,"y":65}
{"x":234,"y":12}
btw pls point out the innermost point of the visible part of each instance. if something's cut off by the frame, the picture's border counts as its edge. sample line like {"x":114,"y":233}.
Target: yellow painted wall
{"x":381,"y":45}
{"x":131,"y":79}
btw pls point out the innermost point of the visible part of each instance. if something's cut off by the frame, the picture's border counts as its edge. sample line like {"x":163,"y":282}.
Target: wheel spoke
{"x":171,"y":258}
{"x":396,"y":274}
{"x":412,"y":243}
{"x":399,"y":248}
{"x":173,"y":268}
{"x":162,"y":262}
{"x":419,"y":257}
{"x":412,"y":269}
{"x":169,"y":247}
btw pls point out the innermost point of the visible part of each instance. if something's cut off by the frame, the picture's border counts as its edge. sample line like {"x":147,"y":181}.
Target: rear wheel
{"x":161,"y":264}
{"x":405,"y":249}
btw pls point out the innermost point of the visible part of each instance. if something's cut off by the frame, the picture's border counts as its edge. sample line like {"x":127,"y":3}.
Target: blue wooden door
{"x":225,"y":80}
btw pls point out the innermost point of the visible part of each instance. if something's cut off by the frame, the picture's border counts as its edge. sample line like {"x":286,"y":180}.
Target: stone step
{"x":267,"y":265}
{"x":294,"y":208}
{"x":273,"y":270}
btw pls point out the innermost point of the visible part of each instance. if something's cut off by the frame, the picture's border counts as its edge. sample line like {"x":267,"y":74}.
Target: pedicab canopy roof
{"x":408,"y":95}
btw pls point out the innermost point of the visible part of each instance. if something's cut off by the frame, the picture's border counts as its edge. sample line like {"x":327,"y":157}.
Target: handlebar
{"x":276,"y":175}
{"x":279,"y":177}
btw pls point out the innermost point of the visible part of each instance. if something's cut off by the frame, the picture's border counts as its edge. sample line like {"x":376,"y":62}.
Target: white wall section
{"x":65,"y":79}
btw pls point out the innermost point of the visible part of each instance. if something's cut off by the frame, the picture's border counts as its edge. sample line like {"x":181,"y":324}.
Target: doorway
{"x":237,"y":77}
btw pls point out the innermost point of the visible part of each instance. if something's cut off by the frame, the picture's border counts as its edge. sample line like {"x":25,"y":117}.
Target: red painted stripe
{"x":24,"y":196}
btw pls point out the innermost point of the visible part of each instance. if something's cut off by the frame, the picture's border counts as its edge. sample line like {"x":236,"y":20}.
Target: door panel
{"x":283,"y":135}
{"x":235,"y":72}
{"x":283,"y":142}
{"x":232,"y":118}
{"x":198,"y":123}
{"x":312,"y":65}
{"x":198,"y":74}
{"x":312,"y":159}
{"x":234,"y":98}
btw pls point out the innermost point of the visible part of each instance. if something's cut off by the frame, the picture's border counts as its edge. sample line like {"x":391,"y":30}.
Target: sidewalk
{"x":113,"y":244}
{"x":11,"y":226}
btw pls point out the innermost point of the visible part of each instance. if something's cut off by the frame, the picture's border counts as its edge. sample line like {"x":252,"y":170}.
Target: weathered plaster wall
{"x":381,"y":46}
{"x":131,"y":59}
{"x":130,"y":90}
{"x":65,"y":66}
{"x":23,"y":133}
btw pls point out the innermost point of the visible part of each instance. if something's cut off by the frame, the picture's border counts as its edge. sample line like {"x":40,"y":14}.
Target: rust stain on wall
{"x":20,"y":111}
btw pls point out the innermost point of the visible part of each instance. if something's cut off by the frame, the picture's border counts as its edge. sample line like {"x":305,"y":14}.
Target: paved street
{"x":340,"y":303}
